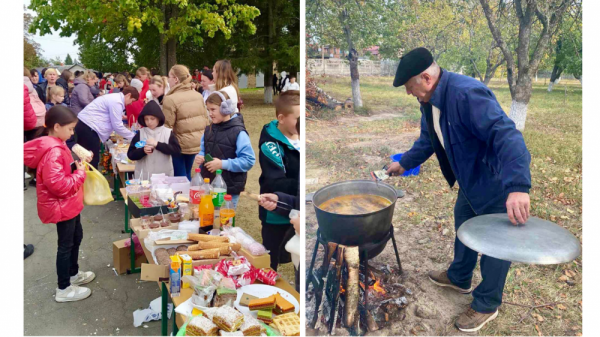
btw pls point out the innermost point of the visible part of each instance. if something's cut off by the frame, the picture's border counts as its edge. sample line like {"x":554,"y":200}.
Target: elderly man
{"x":478,"y":146}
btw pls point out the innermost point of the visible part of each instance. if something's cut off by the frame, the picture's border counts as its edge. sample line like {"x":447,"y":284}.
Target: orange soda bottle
{"x":206,"y":209}
{"x":227,"y":213}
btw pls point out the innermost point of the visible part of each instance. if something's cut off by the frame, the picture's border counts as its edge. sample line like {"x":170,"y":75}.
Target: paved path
{"x":109,"y":311}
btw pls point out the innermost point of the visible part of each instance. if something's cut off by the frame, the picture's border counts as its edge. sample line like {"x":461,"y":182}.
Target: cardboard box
{"x":136,"y":226}
{"x":175,"y":276}
{"x":186,"y":269}
{"x":121,"y":257}
{"x":137,"y":212}
{"x":262,"y":261}
{"x":160,"y":273}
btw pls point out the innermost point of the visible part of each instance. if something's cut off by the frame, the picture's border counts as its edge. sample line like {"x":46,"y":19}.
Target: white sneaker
{"x":27,"y":176}
{"x":82,"y":278}
{"x":72,"y":293}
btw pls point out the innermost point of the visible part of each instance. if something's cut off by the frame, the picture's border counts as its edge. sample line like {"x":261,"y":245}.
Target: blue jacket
{"x":485,"y":150}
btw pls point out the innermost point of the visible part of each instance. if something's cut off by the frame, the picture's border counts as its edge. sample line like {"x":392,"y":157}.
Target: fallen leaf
{"x":563,"y":295}
{"x":562,"y":195}
{"x":561,"y":307}
{"x":570,"y":210}
{"x":553,"y":218}
{"x":518,"y":272}
{"x":539,"y":318}
{"x":564,"y":217}
{"x":538,"y":330}
{"x":563,"y":278}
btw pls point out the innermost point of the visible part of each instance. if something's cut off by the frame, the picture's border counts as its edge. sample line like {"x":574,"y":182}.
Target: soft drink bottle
{"x":195,"y":194}
{"x":227,"y":216}
{"x":207,"y":209}
{"x":219,"y":189}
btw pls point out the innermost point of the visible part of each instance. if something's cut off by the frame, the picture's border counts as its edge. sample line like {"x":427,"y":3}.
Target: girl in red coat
{"x":60,"y":198}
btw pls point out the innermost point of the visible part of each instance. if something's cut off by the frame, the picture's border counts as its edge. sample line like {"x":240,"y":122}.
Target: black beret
{"x":412,"y":64}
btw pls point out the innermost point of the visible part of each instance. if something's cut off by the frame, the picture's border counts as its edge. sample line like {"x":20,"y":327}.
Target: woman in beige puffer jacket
{"x":185,"y":113}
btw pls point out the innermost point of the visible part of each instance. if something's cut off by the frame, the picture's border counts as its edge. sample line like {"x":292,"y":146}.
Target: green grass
{"x":553,"y":135}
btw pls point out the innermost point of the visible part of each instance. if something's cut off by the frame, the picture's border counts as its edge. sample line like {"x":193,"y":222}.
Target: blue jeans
{"x":235,"y":198}
{"x":487,"y":297}
{"x":182,"y":165}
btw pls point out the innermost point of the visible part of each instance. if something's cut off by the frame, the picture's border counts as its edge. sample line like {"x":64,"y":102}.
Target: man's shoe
{"x":441,"y":279}
{"x":32,"y":182}
{"x":72,"y":293}
{"x":83,"y":278}
{"x":471,"y":320}
{"x":28,"y":250}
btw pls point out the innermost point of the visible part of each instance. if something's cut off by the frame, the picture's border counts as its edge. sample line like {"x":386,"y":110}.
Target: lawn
{"x":348,"y":147}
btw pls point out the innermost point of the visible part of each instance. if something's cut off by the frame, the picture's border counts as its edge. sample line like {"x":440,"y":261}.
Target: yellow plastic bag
{"x":95,"y":187}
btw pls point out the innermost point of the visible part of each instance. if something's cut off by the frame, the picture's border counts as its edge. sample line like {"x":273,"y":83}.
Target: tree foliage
{"x":68,"y":60}
{"x":31,"y":50}
{"x":120,"y":22}
{"x":104,"y":57}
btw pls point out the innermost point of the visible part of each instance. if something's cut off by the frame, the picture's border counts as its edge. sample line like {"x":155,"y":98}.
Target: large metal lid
{"x":537,"y":241}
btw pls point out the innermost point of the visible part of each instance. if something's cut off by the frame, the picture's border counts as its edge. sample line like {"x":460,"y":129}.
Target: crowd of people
{"x":182,"y":118}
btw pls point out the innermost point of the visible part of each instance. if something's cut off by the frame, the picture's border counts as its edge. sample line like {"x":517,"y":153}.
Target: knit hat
{"x":152,"y":109}
{"x":412,"y":64}
{"x":137,"y":84}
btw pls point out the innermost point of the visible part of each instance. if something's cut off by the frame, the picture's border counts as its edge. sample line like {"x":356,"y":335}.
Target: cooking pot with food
{"x":355,"y":212}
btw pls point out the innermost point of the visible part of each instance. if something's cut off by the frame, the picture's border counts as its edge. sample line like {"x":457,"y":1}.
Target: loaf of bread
{"x":171,"y":251}
{"x":207,"y":238}
{"x":202,"y":254}
{"x":182,"y":248}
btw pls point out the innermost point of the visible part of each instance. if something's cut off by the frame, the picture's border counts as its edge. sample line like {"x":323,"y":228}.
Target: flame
{"x":378,"y":288}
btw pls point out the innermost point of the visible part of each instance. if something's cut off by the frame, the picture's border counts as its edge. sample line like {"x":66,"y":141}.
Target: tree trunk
{"x":268,"y":93}
{"x":556,"y":72}
{"x":356,"y":97}
{"x":163,"y":46}
{"x":170,"y":47}
{"x":518,"y":108}
{"x":353,"y":58}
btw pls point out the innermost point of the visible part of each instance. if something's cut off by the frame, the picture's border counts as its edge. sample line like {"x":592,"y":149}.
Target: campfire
{"x":350,"y":293}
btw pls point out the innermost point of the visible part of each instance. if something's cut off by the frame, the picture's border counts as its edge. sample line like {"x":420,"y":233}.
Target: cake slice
{"x":283,"y":306}
{"x":246,"y":298}
{"x":201,"y":326}
{"x":265,"y":316}
{"x":228,"y":319}
{"x":225,"y":333}
{"x":251,"y":326}
{"x":267,"y":303}
{"x":288,"y":324}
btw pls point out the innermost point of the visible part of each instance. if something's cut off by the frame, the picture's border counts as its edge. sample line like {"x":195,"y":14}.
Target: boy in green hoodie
{"x":279,"y":159}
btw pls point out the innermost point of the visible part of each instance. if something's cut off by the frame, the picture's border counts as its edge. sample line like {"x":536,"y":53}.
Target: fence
{"x":341,"y":67}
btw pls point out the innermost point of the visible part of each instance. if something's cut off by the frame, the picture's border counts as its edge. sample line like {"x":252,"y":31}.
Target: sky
{"x":54,"y":45}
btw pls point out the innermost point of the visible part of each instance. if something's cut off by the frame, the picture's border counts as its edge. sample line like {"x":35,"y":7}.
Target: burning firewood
{"x":352,"y":287}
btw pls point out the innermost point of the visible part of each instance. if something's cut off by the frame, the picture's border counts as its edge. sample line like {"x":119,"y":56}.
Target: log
{"x":371,"y":324}
{"x":352,"y":259}
{"x":339,"y":261}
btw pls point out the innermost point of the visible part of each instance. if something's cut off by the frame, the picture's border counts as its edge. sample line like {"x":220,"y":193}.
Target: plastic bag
{"x":95,"y":187}
{"x":237,"y":235}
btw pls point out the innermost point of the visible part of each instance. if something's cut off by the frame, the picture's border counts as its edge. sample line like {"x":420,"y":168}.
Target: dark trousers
{"x":297,"y":278}
{"x":182,"y":165}
{"x":488,"y":294}
{"x":273,"y":236}
{"x":70,"y":234}
{"x":88,"y":138}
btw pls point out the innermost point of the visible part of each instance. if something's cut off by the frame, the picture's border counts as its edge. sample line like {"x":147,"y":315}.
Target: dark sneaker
{"x":471,"y":320}
{"x":32,"y":182}
{"x":441,"y":279}
{"x":28,"y":250}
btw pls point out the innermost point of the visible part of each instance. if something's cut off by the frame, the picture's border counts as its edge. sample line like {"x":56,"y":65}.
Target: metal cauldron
{"x":355,"y":230}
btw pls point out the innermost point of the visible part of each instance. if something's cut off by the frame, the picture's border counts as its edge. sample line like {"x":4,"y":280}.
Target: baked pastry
{"x":224,"y":296}
{"x":267,"y":303}
{"x":251,"y":326}
{"x":265,"y":316}
{"x":282,"y":306}
{"x":245,"y":299}
{"x":182,"y":248}
{"x":201,"y":326}
{"x":171,"y":251}
{"x":235,"y":333}
{"x":206,"y":237}
{"x":228,"y":319}
{"x":162,"y":257}
{"x":288,"y":324}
